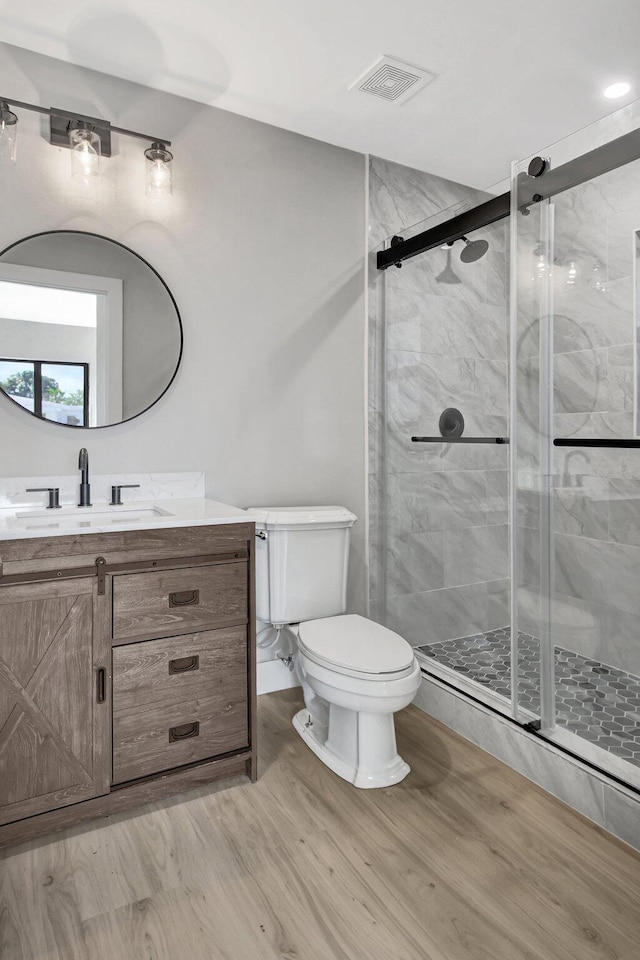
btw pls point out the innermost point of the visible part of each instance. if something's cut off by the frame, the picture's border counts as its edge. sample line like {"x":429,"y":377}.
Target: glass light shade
{"x":159,"y":181}
{"x":8,"y":133}
{"x":85,"y":155}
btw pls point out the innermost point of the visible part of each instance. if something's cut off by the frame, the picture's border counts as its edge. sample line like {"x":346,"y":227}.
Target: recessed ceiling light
{"x":615,"y":90}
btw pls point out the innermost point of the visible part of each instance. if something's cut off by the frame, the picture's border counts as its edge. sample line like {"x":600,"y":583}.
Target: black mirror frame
{"x":99,"y":236}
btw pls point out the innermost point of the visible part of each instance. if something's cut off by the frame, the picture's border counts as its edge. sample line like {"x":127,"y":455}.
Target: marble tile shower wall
{"x":596,"y":490}
{"x":439,"y":532}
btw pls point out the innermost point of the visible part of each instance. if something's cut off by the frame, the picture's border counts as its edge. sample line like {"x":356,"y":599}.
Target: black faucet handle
{"x":116,"y":488}
{"x":54,"y":495}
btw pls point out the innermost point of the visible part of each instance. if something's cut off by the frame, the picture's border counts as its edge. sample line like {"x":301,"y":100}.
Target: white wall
{"x":47,"y":341}
{"x":262,"y":246}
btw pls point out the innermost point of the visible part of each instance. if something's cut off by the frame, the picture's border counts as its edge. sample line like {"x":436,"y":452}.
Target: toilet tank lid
{"x":292,"y":517}
{"x":353,"y":642}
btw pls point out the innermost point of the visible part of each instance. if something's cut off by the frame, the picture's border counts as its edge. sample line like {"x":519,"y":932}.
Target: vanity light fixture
{"x":89,"y":139}
{"x":8,"y":132}
{"x":158,"y":176}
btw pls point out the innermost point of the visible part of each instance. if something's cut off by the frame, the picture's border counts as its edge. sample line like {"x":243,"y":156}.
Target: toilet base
{"x":384,"y":771}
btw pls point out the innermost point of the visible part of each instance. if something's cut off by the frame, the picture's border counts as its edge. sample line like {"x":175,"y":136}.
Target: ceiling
{"x":511,"y":76}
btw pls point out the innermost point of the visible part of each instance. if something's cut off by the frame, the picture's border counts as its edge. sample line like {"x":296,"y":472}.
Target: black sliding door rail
{"x":531,"y":189}
{"x":459,"y":440}
{"x":459,"y":226}
{"x":593,"y":442}
{"x":590,"y":165}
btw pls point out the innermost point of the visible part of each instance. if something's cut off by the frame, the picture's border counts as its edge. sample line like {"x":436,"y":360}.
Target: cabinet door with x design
{"x":54,"y":702}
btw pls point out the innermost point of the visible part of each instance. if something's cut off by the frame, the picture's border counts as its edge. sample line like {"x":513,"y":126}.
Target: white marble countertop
{"x":18,"y":523}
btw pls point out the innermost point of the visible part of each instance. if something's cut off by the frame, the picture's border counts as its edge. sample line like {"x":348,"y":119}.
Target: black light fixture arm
{"x":92,"y":122}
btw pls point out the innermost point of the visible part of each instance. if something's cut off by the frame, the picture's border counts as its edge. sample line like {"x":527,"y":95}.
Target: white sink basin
{"x":69,"y":517}
{"x":21,"y":523}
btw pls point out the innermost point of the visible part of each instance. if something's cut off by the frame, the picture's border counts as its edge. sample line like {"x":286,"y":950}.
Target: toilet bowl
{"x":355,"y":673}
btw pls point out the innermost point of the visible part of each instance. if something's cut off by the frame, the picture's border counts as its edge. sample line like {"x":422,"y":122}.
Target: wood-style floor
{"x":465,"y":859}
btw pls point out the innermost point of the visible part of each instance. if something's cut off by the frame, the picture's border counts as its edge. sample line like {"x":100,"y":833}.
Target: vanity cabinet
{"x":127,"y":670}
{"x":53,"y":718}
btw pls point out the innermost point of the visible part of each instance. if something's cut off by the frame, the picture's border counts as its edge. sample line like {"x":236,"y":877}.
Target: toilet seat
{"x":356,"y":647}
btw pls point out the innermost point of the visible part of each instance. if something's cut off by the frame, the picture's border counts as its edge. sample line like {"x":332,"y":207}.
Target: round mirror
{"x":90,"y":334}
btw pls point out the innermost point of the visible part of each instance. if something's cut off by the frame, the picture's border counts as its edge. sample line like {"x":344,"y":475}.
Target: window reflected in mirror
{"x":52,"y":391}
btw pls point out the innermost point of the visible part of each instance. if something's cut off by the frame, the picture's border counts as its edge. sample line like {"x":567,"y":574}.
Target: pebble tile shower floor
{"x":595,"y":701}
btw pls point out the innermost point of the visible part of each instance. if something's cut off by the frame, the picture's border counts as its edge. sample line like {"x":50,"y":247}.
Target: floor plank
{"x":465,"y":860}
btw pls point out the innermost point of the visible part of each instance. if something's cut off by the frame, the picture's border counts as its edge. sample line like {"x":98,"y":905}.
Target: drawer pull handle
{"x":184,"y":598}
{"x":184,"y":732}
{"x":184,"y":664}
{"x":101,"y":685}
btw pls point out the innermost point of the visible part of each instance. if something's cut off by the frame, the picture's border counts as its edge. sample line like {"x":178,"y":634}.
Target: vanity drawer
{"x":179,"y":669}
{"x":170,"y":602}
{"x":159,"y":737}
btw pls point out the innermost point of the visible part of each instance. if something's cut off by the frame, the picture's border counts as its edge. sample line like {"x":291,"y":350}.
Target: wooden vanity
{"x":127,"y":670}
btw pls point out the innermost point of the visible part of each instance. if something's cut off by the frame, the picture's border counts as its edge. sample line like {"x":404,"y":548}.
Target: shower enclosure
{"x":509,"y":556}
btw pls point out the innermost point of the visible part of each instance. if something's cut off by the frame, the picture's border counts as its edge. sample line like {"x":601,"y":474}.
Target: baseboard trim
{"x":589,"y":792}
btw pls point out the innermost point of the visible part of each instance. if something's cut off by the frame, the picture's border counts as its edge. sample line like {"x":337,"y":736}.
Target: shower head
{"x":473,"y":250}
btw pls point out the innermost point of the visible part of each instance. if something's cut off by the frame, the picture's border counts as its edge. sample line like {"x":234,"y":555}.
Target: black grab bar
{"x":459,"y":440}
{"x":593,"y":442}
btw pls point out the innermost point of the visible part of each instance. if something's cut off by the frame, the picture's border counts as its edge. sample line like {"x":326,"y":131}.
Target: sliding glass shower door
{"x":575,"y":452}
{"x":440,"y":533}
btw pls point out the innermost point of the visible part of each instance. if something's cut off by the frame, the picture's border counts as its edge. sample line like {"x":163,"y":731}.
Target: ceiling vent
{"x":393,"y":80}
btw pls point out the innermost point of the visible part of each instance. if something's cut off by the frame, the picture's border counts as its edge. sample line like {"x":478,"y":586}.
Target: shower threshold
{"x":598,"y":703}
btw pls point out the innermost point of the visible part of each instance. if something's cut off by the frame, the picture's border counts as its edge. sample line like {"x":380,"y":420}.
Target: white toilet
{"x":355,"y":673}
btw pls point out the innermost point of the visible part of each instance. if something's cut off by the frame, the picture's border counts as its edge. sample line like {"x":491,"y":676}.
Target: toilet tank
{"x":302,"y":556}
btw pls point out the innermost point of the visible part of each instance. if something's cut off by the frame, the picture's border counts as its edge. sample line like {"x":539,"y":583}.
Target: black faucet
{"x":85,"y":486}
